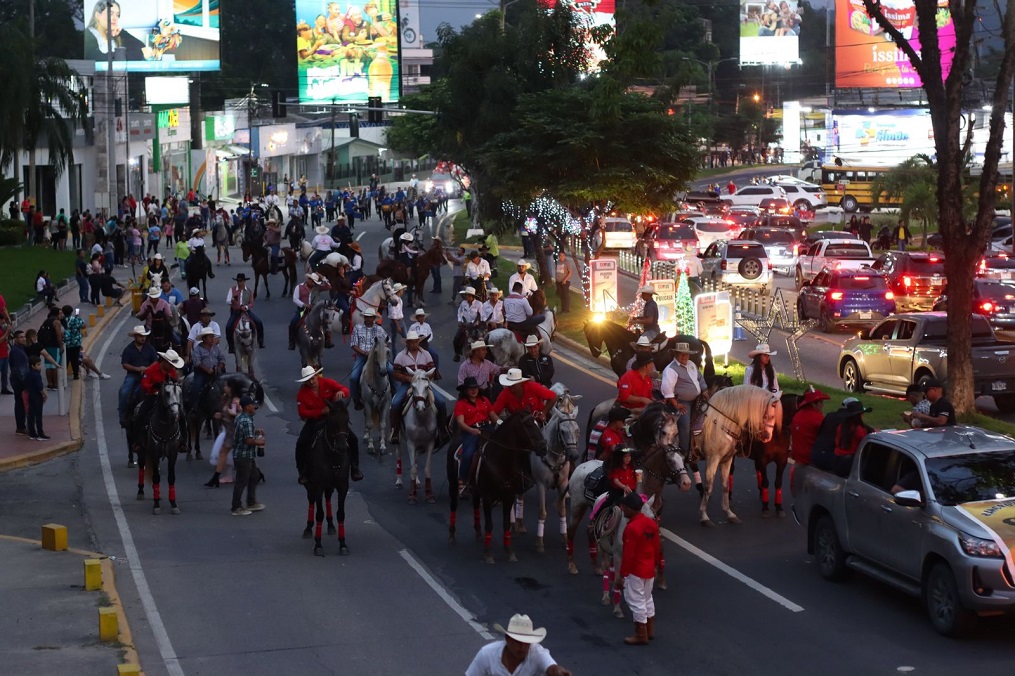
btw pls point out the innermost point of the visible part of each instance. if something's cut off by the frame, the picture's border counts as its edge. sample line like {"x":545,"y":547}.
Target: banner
{"x":666,"y":299}
{"x":713,"y":320}
{"x":769,"y":32}
{"x":152,"y":35}
{"x":866,"y":57}
{"x":347,"y":56}
{"x":603,"y":284}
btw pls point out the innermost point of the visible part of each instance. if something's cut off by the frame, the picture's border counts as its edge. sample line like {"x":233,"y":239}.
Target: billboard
{"x":713,"y":320}
{"x":603,"y":284}
{"x":769,"y":32}
{"x":155,"y":35}
{"x":866,"y":57}
{"x":347,"y":56}
{"x":592,"y":14}
{"x":160,"y":90}
{"x":883,"y":137}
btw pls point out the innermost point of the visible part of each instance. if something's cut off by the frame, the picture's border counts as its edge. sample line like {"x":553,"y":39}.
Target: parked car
{"x":752,"y":195}
{"x":805,"y":196}
{"x":779,"y":243}
{"x":994,"y":300}
{"x":669,"y":241}
{"x":835,"y":254}
{"x":845,"y":298}
{"x":709,"y":229}
{"x":618,"y":233}
{"x":738,"y":263}
{"x":996,"y":266}
{"x":916,"y":277}
{"x":924,"y":511}
{"x":910,"y":349}
{"x":744,"y":216}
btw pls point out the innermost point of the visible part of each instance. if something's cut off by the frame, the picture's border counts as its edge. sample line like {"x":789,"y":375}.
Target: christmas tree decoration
{"x":684,"y":307}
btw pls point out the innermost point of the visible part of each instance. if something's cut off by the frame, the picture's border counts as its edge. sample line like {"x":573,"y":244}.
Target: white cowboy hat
{"x":398,"y":286}
{"x":420,"y":312}
{"x":322,"y":230}
{"x":194,"y":291}
{"x":467,"y":291}
{"x":492,"y":289}
{"x":520,"y":629}
{"x":647,"y":289}
{"x":532,"y":341}
{"x":512,"y":377}
{"x":406,"y":237}
{"x":154,"y":292}
{"x":315,"y":278}
{"x":158,"y":256}
{"x":685,"y":348}
{"x":369,"y":312}
{"x":195,"y":232}
{"x":307,"y":373}
{"x":643,"y":341}
{"x":476,"y":344}
{"x":272,"y":220}
{"x":173,"y":358}
{"x":762,"y":348}
{"x":138,"y":330}
{"x":206,"y":331}
{"x":411,"y":335}
{"x":522,"y":263}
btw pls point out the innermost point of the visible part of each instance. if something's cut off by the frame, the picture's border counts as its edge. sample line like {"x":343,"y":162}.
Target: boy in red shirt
{"x":614,"y":435}
{"x":311,"y":406}
{"x":642,"y":551}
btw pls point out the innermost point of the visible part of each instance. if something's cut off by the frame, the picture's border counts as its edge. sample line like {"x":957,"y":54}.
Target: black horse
{"x":155,"y":434}
{"x":329,"y":472}
{"x":499,"y":474}
{"x":618,"y":339}
{"x":209,"y":403}
{"x":198,"y":270}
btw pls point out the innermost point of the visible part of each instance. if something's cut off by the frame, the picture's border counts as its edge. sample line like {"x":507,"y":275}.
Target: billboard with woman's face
{"x":347,"y":52}
{"x":155,"y":35}
{"x":769,"y":32}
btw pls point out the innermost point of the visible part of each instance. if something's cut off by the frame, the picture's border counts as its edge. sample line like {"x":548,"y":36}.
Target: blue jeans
{"x":234,"y":317}
{"x":357,"y":371}
{"x":684,"y":426}
{"x":393,"y":329}
{"x":130,"y":383}
{"x":470,"y":444}
{"x":200,"y":380}
{"x":83,"y":288}
{"x":435,"y":274}
{"x":435,"y":357}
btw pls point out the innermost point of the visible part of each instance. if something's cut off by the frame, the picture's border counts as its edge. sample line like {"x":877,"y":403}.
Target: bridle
{"x":672,"y":476}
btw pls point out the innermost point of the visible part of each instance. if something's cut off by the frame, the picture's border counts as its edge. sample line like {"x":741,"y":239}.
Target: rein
{"x":671,"y":477}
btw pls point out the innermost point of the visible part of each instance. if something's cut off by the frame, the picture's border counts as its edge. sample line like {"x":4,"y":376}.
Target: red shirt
{"x":633,"y":384}
{"x":474,"y":413}
{"x":310,"y":403}
{"x":534,"y":398}
{"x":641,"y":547}
{"x":626,"y":476}
{"x":155,"y":375}
{"x":850,"y":449}
{"x":5,"y":347}
{"x":609,"y":441}
{"x":804,"y":431}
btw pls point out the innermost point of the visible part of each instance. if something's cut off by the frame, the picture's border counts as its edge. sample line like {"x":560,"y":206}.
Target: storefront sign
{"x":220,"y":126}
{"x":274,"y":140}
{"x":141,"y":127}
{"x":666,"y":299}
{"x":713,"y":320}
{"x":603,"y":284}
{"x":169,"y":119}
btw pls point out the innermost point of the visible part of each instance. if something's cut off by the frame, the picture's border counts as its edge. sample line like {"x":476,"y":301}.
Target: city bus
{"x":849,"y":186}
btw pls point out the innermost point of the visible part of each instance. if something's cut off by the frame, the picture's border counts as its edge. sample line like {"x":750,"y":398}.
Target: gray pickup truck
{"x":928,"y":511}
{"x":911,"y":348}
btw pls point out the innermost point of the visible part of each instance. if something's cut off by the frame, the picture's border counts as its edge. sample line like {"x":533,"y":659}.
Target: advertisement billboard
{"x":769,"y":32}
{"x":347,"y":56}
{"x":666,"y":300}
{"x":592,"y":14}
{"x":884,"y":137}
{"x":866,"y":57}
{"x":713,"y":320}
{"x":155,"y":35}
{"x":603,"y":284}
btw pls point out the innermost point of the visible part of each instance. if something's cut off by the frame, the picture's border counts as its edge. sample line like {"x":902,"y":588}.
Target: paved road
{"x":210,"y":593}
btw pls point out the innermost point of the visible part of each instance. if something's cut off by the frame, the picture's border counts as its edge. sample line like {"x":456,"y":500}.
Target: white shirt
{"x":395,"y":309}
{"x":529,"y":285}
{"x":422,"y":329}
{"x":323,"y":243}
{"x":195,"y":242}
{"x":516,"y":308}
{"x":414,"y":362}
{"x":680,"y":381}
{"x":693,"y":265}
{"x":469,"y":313}
{"x":357,"y":262}
{"x":196,"y":329}
{"x":773,"y":387}
{"x":494,"y":314}
{"x":477,"y":270}
{"x":487,"y":661}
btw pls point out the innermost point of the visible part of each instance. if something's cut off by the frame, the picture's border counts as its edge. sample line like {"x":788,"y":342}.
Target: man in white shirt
{"x":493,"y":310}
{"x":682,"y":383}
{"x":194,"y":336}
{"x":469,"y":312}
{"x":425,"y":332}
{"x":323,"y":244}
{"x":196,"y":240}
{"x":477,"y":270}
{"x":407,"y":362}
{"x":518,"y":312}
{"x":528,"y":282}
{"x":519,"y":654}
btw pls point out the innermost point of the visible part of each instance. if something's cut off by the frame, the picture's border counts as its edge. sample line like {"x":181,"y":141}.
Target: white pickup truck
{"x":841,"y":254}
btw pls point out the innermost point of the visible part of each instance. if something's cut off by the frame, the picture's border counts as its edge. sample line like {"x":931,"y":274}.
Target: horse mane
{"x":744,"y":405}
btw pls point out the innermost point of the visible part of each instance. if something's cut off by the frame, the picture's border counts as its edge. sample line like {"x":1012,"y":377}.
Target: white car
{"x":805,"y":195}
{"x":752,"y":195}
{"x":738,"y":263}
{"x":711,"y":229}
{"x":618,"y":233}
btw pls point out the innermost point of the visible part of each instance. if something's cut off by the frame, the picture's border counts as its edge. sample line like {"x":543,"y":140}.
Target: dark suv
{"x":916,"y":277}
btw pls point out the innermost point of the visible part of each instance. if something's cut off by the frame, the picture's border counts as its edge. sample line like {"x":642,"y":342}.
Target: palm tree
{"x":914,"y":182}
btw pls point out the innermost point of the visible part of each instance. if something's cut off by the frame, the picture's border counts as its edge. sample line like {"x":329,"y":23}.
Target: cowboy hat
{"x":411,"y":335}
{"x":194,"y":291}
{"x":240,"y":278}
{"x":406,"y":237}
{"x":272,"y":221}
{"x":195,"y":232}
{"x":369,"y":312}
{"x":512,"y":377}
{"x":532,"y":341}
{"x":315,"y":278}
{"x":467,"y":383}
{"x":762,"y":348}
{"x":138,"y":330}
{"x":207,"y":311}
{"x":853,"y":406}
{"x":420,"y":312}
{"x":492,"y":290}
{"x":173,"y":358}
{"x":322,"y":230}
{"x":308,"y":372}
{"x":685,"y":348}
{"x":356,"y":247}
{"x":522,"y":263}
{"x":812,"y":396}
{"x":643,"y":341}
{"x":158,"y":256}
{"x":477,"y":344}
{"x":647,"y":289}
{"x":398,"y":286}
{"x":206,"y":331}
{"x":641,"y":359}
{"x":467,"y":291}
{"x":633,"y":501}
{"x":520,"y":629}
{"x":154,"y":292}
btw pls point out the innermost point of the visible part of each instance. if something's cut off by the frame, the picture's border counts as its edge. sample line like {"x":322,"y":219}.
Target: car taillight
{"x":722,"y":265}
{"x":889,"y":296}
{"x":835,"y":295}
{"x":907,"y":281}
{"x":769,"y":264}
{"x":796,"y":249}
{"x":987,"y":306}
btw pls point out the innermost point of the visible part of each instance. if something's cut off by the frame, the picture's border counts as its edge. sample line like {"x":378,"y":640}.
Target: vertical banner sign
{"x":666,"y":299}
{"x":713,"y":320}
{"x":603,"y":284}
{"x":791,"y":131}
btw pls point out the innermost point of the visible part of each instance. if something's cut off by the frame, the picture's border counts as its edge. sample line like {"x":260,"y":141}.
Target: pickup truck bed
{"x":848,"y":254}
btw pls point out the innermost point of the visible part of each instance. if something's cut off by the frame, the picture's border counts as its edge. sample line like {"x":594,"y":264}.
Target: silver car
{"x":738,"y":263}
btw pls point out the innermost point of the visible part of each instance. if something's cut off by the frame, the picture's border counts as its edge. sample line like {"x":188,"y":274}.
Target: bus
{"x":850,"y":186}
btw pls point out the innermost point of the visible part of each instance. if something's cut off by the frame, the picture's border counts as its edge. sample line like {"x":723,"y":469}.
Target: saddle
{"x":596,"y":484}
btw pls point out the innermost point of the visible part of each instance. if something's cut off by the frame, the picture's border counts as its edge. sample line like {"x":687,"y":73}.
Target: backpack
{"x":47,"y":334}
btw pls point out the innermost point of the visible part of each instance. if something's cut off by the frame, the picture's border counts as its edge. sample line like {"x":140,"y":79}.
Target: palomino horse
{"x":506,"y":350}
{"x":158,"y":436}
{"x":198,"y":270}
{"x":498,"y":475}
{"x":329,"y":472}
{"x":733,"y":419}
{"x":243,"y":336}
{"x":376,"y":388}
{"x":310,"y":334}
{"x":775,"y":451}
{"x":377,"y":296}
{"x":260,"y":262}
{"x":618,"y":341}
{"x":420,"y":433}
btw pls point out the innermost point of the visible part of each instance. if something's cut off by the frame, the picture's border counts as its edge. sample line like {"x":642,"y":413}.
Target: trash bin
{"x":136,"y":297}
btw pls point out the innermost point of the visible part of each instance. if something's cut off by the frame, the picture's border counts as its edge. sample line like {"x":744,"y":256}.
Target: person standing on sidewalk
{"x":37,"y":396}
{"x":19,"y":378}
{"x":5,"y":350}
{"x":81,"y":276}
{"x":562,"y":277}
{"x":248,"y":443}
{"x":638,"y":568}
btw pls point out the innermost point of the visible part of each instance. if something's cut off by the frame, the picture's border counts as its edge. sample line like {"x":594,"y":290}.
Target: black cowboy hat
{"x":240,"y":278}
{"x":467,"y":383}
{"x":642,"y":358}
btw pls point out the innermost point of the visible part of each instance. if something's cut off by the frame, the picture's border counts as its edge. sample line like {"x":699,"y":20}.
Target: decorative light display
{"x":684,"y":307}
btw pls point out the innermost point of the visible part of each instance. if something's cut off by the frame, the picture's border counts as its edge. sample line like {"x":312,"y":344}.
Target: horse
{"x":429,"y":259}
{"x":734,"y":417}
{"x":329,"y":472}
{"x":161,"y":333}
{"x":198,"y":270}
{"x":260,"y":262}
{"x":498,"y":475}
{"x":377,"y":294}
{"x":376,"y":389}
{"x":618,"y":339}
{"x":310,"y":333}
{"x":562,"y":434}
{"x":210,"y":401}
{"x":506,"y":348}
{"x":775,"y":451}
{"x":220,"y":235}
{"x":394,"y":270}
{"x":243,"y":337}
{"x":160,"y":436}
{"x":421,"y":422}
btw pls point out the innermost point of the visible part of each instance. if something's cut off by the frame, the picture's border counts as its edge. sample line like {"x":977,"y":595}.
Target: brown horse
{"x":427,"y":261}
{"x":259,"y":256}
{"x":393,"y":270}
{"x":775,"y":451}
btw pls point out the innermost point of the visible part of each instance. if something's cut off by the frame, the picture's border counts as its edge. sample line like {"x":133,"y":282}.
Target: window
{"x":821,"y":279}
{"x":906,"y":329}
{"x":972,"y":477}
{"x":862,"y":283}
{"x":884,"y":330}
{"x":711,"y":250}
{"x":847,"y":250}
{"x":879,"y":466}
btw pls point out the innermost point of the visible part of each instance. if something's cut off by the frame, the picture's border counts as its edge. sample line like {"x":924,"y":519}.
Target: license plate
{"x":998,"y":386}
{"x":866,"y":315}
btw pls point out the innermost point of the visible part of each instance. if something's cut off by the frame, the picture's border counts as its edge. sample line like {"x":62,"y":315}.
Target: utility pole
{"x":331,"y":153}
{"x":110,"y":116}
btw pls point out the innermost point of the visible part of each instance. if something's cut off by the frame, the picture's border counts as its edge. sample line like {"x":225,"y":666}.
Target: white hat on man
{"x":512,"y":377}
{"x":307,"y":373}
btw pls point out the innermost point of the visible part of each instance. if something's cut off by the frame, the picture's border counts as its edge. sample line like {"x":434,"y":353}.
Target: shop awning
{"x":232,"y":152}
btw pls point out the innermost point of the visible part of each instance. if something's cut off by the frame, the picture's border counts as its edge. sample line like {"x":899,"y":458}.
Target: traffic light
{"x":375,"y":115}
{"x":278,"y":108}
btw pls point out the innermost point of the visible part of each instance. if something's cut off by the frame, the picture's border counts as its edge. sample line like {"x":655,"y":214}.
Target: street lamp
{"x":710,"y":66}
{"x":503,"y":12}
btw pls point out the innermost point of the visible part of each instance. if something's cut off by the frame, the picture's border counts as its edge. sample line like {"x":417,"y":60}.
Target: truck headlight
{"x":979,"y":547}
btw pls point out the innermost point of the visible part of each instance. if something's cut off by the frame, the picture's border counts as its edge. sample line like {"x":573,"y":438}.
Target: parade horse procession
{"x":533,"y":440}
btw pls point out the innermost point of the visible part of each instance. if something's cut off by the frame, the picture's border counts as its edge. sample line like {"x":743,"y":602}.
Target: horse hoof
{"x":520,"y":528}
{"x":605,"y":601}
{"x":332,"y":530}
{"x":156,"y":510}
{"x":540,"y":547}
{"x":189,"y":457}
{"x":734,"y":519}
{"x":412,"y":500}
{"x":430,"y":499}
{"x":343,"y":550}
{"x":662,"y":585}
{"x":707,"y":523}
{"x":512,"y":558}
{"x":319,"y":551}
{"x":571,"y":568}
{"x":765,"y":514}
{"x":780,"y":513}
{"x":198,"y":456}
{"x":618,"y":612}
{"x":398,"y":483}
{"x":307,"y":534}
{"x":488,"y":559}
{"x":174,"y":510}
{"x":451,"y":539}
{"x":140,"y":496}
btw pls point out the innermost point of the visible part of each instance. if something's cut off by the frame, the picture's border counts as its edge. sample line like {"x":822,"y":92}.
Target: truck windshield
{"x":847,"y":250}
{"x":972,"y":477}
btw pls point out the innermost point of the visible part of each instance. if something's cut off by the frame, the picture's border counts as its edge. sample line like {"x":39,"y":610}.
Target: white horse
{"x":506,"y":349}
{"x":379,"y":295}
{"x":376,"y":389}
{"x":244,"y":346}
{"x":420,"y":433}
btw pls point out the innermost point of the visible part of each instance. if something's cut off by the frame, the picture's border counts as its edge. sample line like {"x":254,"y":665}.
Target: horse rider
{"x":682,"y":384}
{"x":425,"y":332}
{"x":355,"y":262}
{"x":407,"y":252}
{"x":479,"y":368}
{"x":165,"y":369}
{"x":295,"y":233}
{"x":649,"y":318}
{"x":528,"y":282}
{"x":760,"y":371}
{"x":311,"y":406}
{"x":408,"y":361}
{"x":524,"y":394}
{"x":175,"y":299}
{"x":518,"y":311}
{"x":469,"y":313}
{"x":205,"y":321}
{"x":643,"y":345}
{"x":156,"y":266}
{"x":473,"y":415}
{"x":273,"y":242}
{"x":362,"y":341}
{"x":634,"y":388}
{"x":241,"y":301}
{"x":614,"y":435}
{"x":323,"y":243}
{"x":134,"y":359}
{"x":196,"y":241}
{"x":152,"y":307}
{"x":190,"y":309}
{"x":477,"y":270}
{"x":493,"y":310}
{"x":303,"y":300}
{"x":535,"y":365}
{"x":207,"y":361}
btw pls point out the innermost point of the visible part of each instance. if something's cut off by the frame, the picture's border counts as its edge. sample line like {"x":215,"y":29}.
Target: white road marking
{"x":270,"y":404}
{"x":360,"y":235}
{"x":732,"y":572}
{"x":133,"y":559}
{"x":444,"y":392}
{"x":445,"y":595}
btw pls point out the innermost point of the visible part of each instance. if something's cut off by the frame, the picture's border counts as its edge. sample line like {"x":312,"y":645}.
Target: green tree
{"x":913,"y":182}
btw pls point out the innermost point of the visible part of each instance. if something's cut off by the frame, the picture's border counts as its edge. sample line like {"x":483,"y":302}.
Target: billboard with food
{"x":769,"y":32}
{"x":865,"y":55}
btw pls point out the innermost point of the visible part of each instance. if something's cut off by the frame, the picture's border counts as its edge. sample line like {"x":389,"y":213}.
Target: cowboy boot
{"x":640,"y":635}
{"x":396,"y":425}
{"x":650,"y":628}
{"x":292,"y":339}
{"x":354,"y":471}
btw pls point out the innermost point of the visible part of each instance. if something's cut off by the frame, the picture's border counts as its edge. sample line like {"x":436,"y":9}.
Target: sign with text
{"x":666,"y":299}
{"x":713,"y":320}
{"x":603,"y":284}
{"x":769,"y":32}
